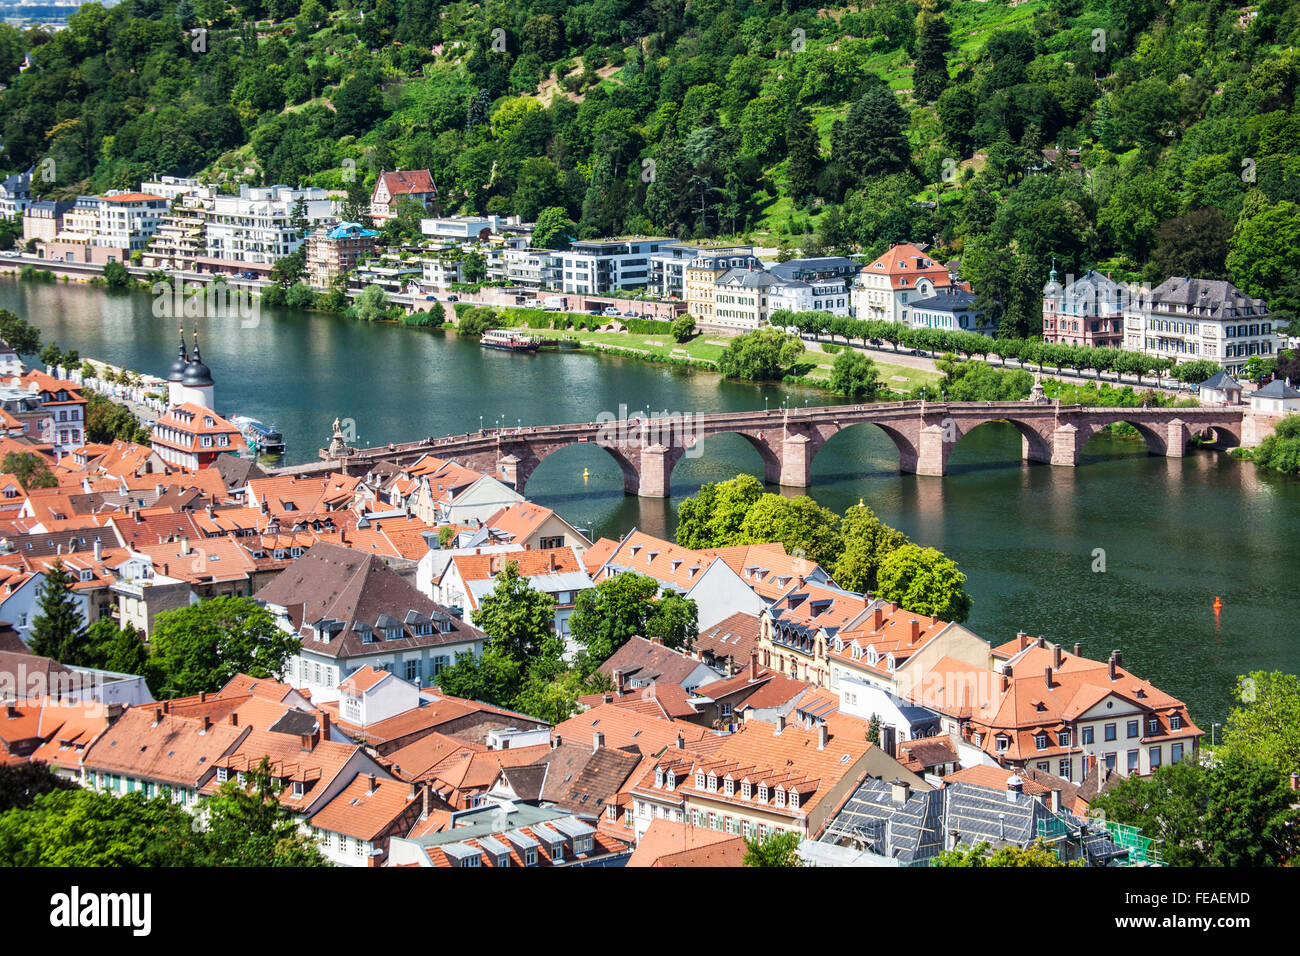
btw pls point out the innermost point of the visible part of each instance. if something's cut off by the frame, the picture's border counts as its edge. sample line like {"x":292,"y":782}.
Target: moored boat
{"x":262,"y":439}
{"x":509,"y":340}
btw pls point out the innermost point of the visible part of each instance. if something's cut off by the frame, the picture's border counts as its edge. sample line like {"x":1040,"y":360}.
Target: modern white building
{"x":600,"y":266}
{"x":128,"y":220}
{"x":256,"y":227}
{"x":668,"y":266}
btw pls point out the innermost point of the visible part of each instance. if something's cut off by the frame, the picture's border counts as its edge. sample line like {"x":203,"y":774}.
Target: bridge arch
{"x":1034,"y":444}
{"x":1156,"y":442}
{"x":694,"y":448}
{"x":903,"y":444}
{"x":535,"y":457}
{"x":1217,"y":433}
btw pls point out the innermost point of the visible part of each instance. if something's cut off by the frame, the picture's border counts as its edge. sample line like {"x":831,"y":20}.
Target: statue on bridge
{"x":1036,"y":394}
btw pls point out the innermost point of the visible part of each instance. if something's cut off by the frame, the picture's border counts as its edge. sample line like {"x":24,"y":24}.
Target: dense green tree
{"x":1234,"y":811}
{"x":371,"y":304}
{"x":518,"y":618}
{"x":31,"y":470}
{"x":245,"y":824}
{"x":1280,"y":451}
{"x":496,"y":677}
{"x":21,"y":784}
{"x":805,"y":528}
{"x":714,"y":516}
{"x":202,"y":646}
{"x":1038,"y":854}
{"x":923,"y":580}
{"x":1265,"y":250}
{"x":1266,"y":721}
{"x":762,"y":355}
{"x":930,"y":75}
{"x":58,"y":626}
{"x":867,"y":541}
{"x":116,"y":276}
{"x":605,"y":617}
{"x":554,"y":229}
{"x":683,"y":327}
{"x":773,"y":849}
{"x":854,"y":375}
{"x":85,"y":828}
{"x":1194,"y":244}
{"x":20,"y":336}
{"x":871,"y":140}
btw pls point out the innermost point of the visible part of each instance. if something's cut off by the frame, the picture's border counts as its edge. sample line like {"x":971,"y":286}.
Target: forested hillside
{"x":843,"y":128}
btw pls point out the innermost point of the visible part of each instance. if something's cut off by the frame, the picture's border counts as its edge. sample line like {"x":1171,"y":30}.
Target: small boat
{"x":509,"y":340}
{"x":262,"y":439}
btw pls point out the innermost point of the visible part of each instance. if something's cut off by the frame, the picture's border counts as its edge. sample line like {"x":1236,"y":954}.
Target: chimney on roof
{"x":608,"y":698}
{"x":1041,"y":641}
{"x":823,"y":735}
{"x":1119,"y":658}
{"x":556,"y":741}
{"x":157,"y":716}
{"x":1058,"y":656}
{"x":1295,"y":780}
{"x":1078,"y":649}
{"x":1047,"y":673}
{"x":1015,"y":787}
{"x":185,"y":544}
{"x":681,"y":745}
{"x":324,"y":726}
{"x":753,"y":664}
{"x":877,"y":618}
{"x":207,"y":724}
{"x":619,"y":679}
{"x":203,"y":696}
{"x":415,"y":790}
{"x":1055,"y":800}
{"x":1005,"y":681}
{"x":780,"y":723}
{"x":211,"y":510}
{"x":1110,"y":666}
{"x":58,"y":549}
{"x":371,"y":788}
{"x":158,"y":488}
{"x":900,"y":791}
{"x":99,"y":551}
{"x":552,"y":560}
{"x":915,"y":631}
{"x":234,"y":719}
{"x":597,"y":741}
{"x":264,"y":508}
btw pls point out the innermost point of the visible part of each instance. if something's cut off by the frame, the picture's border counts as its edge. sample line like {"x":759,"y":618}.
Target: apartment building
{"x":1185,"y":319}
{"x":669,"y":265}
{"x":951,"y":309}
{"x":332,"y":251}
{"x":741,"y":298}
{"x":601,"y":266}
{"x":1088,"y":311}
{"x":16,"y":193}
{"x":255,"y":229}
{"x":180,"y":239}
{"x":43,"y":219}
{"x":127,"y":220}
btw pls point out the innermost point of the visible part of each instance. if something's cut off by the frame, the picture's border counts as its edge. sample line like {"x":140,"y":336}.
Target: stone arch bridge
{"x":788,"y":439}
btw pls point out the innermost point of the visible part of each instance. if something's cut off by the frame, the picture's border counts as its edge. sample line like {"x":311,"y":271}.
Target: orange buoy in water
{"x":1218,"y":605}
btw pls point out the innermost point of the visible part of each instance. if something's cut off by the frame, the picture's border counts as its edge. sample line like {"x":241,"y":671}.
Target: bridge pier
{"x":1032,"y":451}
{"x":654,"y":474}
{"x":932,"y":452}
{"x":1176,"y":439}
{"x":1065,"y":446}
{"x":796,"y":462}
{"x":508,"y":471}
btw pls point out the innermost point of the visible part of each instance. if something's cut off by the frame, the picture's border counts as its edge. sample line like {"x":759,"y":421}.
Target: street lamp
{"x":1213,"y":728}
{"x":765,"y":408}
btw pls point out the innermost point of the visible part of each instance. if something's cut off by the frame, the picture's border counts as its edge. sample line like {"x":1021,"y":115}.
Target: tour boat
{"x":261,"y":439}
{"x":509,"y":340}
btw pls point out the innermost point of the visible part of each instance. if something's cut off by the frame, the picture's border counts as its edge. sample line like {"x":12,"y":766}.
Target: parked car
{"x":631,"y":315}
{"x":12,"y":254}
{"x":611,"y":310}
{"x":453,"y":298}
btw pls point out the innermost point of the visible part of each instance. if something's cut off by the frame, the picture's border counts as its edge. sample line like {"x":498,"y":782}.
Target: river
{"x":1175,"y":533}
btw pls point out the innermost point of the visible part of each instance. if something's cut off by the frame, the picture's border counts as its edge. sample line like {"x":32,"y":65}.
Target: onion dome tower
{"x":177,"y":373}
{"x":196,"y":384}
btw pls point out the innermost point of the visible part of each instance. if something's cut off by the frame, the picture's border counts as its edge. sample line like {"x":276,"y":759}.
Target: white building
{"x":822,"y":284}
{"x":668,"y":266}
{"x":600,"y":266}
{"x":256,"y":227}
{"x":887,"y":287}
{"x":462,"y":228}
{"x":1276,"y":398}
{"x":128,"y":220}
{"x":1185,"y":319}
{"x":15,"y":194}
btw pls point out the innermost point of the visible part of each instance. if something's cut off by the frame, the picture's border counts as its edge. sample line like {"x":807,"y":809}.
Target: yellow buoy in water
{"x":861,"y":503}
{"x":584,"y":474}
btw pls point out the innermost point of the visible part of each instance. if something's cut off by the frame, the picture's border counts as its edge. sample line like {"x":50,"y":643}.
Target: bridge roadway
{"x":925,"y":433}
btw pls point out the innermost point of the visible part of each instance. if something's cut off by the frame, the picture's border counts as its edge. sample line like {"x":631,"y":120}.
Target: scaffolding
{"x":1141,"y":850}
